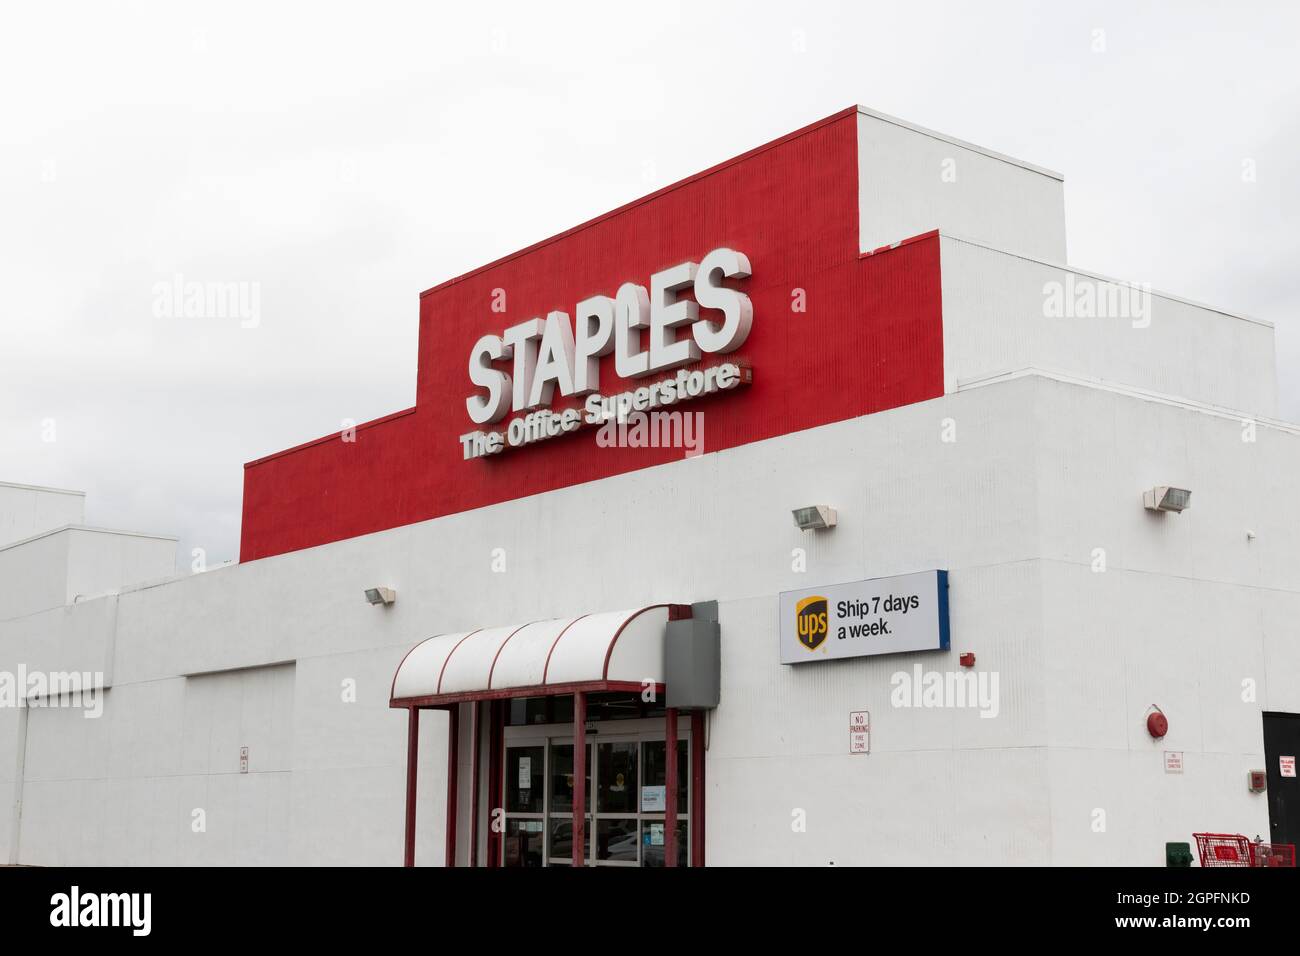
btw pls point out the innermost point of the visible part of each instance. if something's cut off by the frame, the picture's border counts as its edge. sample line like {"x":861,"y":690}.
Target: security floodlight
{"x":815,"y":518}
{"x":381,"y":595}
{"x":1164,"y":498}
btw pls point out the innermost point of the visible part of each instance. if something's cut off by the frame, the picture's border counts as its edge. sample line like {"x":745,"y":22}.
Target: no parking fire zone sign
{"x":859,"y":732}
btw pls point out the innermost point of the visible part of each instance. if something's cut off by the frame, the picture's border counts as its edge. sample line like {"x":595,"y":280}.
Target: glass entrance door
{"x":626,"y":798}
{"x":654,"y":776}
{"x":560,"y":810}
{"x":524,"y":842}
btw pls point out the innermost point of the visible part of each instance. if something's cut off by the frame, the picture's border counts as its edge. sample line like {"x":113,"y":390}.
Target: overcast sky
{"x":345,"y":158}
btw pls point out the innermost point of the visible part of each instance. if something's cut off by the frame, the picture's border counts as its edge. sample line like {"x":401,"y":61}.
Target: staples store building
{"x":809,"y":510}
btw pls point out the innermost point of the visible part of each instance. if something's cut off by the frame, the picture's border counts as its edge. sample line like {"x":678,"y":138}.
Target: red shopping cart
{"x":1234,"y":849}
{"x":1272,"y":854}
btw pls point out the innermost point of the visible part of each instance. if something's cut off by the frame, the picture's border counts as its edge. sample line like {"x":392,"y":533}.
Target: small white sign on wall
{"x":1287,"y":765}
{"x":654,"y":799}
{"x":860,"y":732}
{"x":525,"y":773}
{"x":1173,"y":761}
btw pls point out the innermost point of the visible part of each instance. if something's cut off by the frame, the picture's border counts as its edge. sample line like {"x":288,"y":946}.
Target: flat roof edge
{"x":952,"y":140}
{"x":619,"y":210}
{"x":45,"y":488}
{"x":93,"y":530}
{"x":332,"y":436}
{"x":1100,"y":277}
{"x":1127,"y":391}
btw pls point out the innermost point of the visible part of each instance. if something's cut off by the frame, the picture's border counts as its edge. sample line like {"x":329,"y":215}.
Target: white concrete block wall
{"x":11,"y":737}
{"x":69,"y":564}
{"x":101,"y":560}
{"x":35,"y":575}
{"x":940,"y":786}
{"x":913,"y":180}
{"x":1189,"y":615}
{"x":994,"y":323}
{"x":1012,"y":509}
{"x":1107,"y":447}
{"x":1118,"y":643}
{"x":349,"y":774}
{"x":29,"y":510}
{"x":77,"y":637}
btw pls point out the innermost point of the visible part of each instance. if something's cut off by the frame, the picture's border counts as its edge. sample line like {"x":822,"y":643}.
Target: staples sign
{"x":648,"y":333}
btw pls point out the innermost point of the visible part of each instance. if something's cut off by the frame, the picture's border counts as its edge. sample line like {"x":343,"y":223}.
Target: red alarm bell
{"x":1157,"y":724}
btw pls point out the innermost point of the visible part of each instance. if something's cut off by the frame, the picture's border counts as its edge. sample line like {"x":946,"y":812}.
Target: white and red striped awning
{"x":611,"y":650}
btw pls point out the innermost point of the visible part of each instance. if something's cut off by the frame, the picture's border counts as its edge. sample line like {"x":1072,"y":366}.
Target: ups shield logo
{"x":811,"y":622}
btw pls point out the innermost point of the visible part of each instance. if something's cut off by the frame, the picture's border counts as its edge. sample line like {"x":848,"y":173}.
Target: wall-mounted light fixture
{"x":383,"y":596}
{"x":1165,"y":498}
{"x":814,"y":518}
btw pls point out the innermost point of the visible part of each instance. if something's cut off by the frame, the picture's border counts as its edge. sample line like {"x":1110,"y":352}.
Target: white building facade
{"x":972,"y":406}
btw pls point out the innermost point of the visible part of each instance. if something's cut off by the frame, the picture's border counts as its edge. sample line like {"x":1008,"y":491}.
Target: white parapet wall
{"x":76,"y":562}
{"x":913,"y":180}
{"x":29,"y":510}
{"x":1004,"y":312}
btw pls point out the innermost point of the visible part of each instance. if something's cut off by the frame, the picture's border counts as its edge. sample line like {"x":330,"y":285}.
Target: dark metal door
{"x":1282,"y":741}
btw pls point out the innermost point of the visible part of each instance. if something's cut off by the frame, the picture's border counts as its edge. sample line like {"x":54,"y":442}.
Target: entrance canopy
{"x":611,"y":650}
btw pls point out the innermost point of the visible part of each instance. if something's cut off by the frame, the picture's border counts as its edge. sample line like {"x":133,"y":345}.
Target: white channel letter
{"x":667,"y":312}
{"x":492,"y":407}
{"x":554,"y":361}
{"x":523,"y":339}
{"x":631,"y":315}
{"x":735,"y":306}
{"x":595,"y":337}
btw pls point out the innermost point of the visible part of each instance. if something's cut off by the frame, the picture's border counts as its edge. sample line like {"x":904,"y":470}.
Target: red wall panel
{"x":871,"y":339}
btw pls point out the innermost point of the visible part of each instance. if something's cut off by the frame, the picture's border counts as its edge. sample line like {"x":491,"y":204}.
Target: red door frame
{"x":579,"y":779}
{"x":697,"y":788}
{"x":453,"y":766}
{"x":496,"y":760}
{"x":412,"y":773}
{"x":474,"y":775}
{"x":670,"y":797}
{"x":412,"y":764}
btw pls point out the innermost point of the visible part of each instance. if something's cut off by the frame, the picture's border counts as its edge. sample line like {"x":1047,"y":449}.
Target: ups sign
{"x":811,"y":623}
{"x":894,"y":615}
